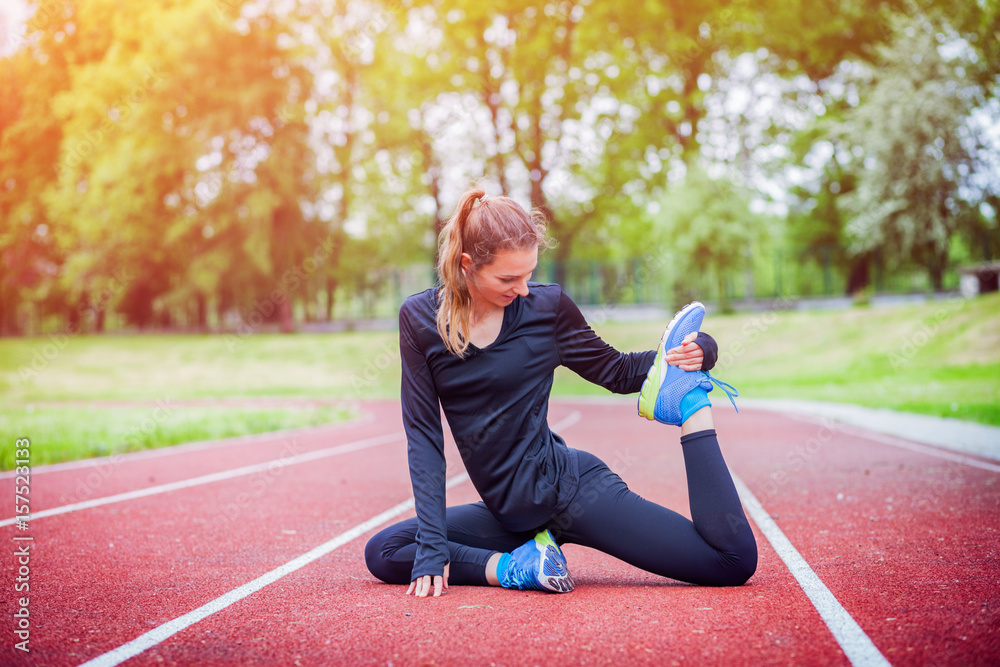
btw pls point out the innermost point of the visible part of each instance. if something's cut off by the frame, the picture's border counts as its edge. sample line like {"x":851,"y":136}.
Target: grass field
{"x":939,"y":358}
{"x":69,"y":433}
{"x":77,"y":396}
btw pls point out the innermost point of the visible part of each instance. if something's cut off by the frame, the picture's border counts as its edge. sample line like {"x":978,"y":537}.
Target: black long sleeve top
{"x":496,"y":403}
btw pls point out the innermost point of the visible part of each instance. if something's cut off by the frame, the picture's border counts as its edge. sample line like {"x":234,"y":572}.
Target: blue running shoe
{"x":670,"y":394}
{"x":538,"y":565}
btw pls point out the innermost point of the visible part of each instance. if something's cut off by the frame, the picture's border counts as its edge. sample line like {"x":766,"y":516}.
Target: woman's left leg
{"x":474,"y":537}
{"x":716,"y":548}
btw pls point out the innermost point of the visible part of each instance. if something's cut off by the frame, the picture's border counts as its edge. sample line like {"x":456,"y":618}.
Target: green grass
{"x":37,"y":372}
{"x":64,"y":434}
{"x":940,"y":358}
{"x":349,"y":365}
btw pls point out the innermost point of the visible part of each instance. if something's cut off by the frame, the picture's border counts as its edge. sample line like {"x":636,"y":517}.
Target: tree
{"x":709,"y":227}
{"x":30,"y":138}
{"x":263,"y":131}
{"x":913,"y":131}
{"x":158,"y":116}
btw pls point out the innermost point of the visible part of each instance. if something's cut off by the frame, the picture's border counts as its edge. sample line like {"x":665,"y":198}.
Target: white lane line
{"x":857,"y":646}
{"x":272,"y":465}
{"x":567,"y":421}
{"x":170,"y":628}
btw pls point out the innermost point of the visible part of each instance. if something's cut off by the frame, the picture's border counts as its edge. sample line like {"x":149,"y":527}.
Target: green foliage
{"x":70,"y":433}
{"x":165,"y":131}
{"x":710,"y":229}
{"x":210,"y":163}
{"x":913,"y":128}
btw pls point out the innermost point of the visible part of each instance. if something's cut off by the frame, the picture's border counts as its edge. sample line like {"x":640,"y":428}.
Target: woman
{"x":485,"y":345}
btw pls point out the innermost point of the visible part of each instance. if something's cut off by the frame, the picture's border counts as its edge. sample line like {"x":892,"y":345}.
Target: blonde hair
{"x":482,"y":227}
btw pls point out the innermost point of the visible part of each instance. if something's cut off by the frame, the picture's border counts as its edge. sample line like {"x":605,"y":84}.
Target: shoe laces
{"x":724,"y":386}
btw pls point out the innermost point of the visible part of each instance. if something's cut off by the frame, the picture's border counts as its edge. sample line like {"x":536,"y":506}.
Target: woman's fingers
{"x":688,"y":351}
{"x":688,"y":355}
{"x":421,"y":586}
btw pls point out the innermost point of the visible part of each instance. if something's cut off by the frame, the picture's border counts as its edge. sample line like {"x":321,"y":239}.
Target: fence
{"x":782,"y":273}
{"x":786,"y":273}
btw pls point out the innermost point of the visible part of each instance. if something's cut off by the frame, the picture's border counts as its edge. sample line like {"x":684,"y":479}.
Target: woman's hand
{"x":688,"y":355}
{"x":421,"y":586}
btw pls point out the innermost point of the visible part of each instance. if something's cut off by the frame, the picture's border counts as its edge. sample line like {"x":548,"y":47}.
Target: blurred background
{"x":207,"y":164}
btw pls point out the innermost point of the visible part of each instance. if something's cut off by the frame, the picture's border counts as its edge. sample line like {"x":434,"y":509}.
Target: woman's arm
{"x":583,"y":351}
{"x":425,"y":452}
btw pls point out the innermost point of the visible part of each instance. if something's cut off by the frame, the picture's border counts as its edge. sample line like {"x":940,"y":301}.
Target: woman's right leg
{"x":474,"y":535}
{"x":716,"y":547}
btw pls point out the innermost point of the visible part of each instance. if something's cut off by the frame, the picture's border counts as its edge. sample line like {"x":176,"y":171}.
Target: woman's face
{"x":506,"y":278}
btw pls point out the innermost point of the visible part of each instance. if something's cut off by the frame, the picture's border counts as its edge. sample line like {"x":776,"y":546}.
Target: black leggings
{"x":716,"y":548}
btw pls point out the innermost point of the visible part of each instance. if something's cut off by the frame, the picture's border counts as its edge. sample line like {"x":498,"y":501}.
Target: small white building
{"x":979,"y":279}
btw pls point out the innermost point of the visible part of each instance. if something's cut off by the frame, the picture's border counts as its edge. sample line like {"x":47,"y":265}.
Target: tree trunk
{"x":285,"y":223}
{"x":725,"y":306}
{"x":492,"y":99}
{"x":936,"y":274}
{"x":285,"y":313}
{"x":8,"y":309}
{"x":559,"y":270}
{"x":202,"y":304}
{"x":73,"y":320}
{"x":433,"y":171}
{"x":220,"y":310}
{"x":937,"y":262}
{"x":331,"y":295}
{"x":859,"y":276}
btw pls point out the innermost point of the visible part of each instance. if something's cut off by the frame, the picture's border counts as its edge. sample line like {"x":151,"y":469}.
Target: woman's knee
{"x":373,"y":556}
{"x":740,"y":567}
{"x":744,"y":569}
{"x":378,"y":557}
{"x":748,"y":562}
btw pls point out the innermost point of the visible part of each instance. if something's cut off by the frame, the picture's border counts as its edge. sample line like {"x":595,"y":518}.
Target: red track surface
{"x":907,"y":542}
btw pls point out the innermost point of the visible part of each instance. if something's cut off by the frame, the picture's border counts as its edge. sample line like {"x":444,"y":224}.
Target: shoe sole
{"x":654,"y":378}
{"x":553,"y":572}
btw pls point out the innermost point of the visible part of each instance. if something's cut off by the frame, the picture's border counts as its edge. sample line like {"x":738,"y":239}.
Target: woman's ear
{"x":466,"y":263}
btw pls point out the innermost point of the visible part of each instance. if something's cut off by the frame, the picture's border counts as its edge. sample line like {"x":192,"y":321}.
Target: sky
{"x":13,"y":14}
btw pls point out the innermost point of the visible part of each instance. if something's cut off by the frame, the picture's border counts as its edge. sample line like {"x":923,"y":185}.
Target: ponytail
{"x":455,"y":302}
{"x":480,"y":226}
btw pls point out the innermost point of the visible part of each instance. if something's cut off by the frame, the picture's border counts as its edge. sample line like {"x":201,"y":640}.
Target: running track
{"x":872,"y":551}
